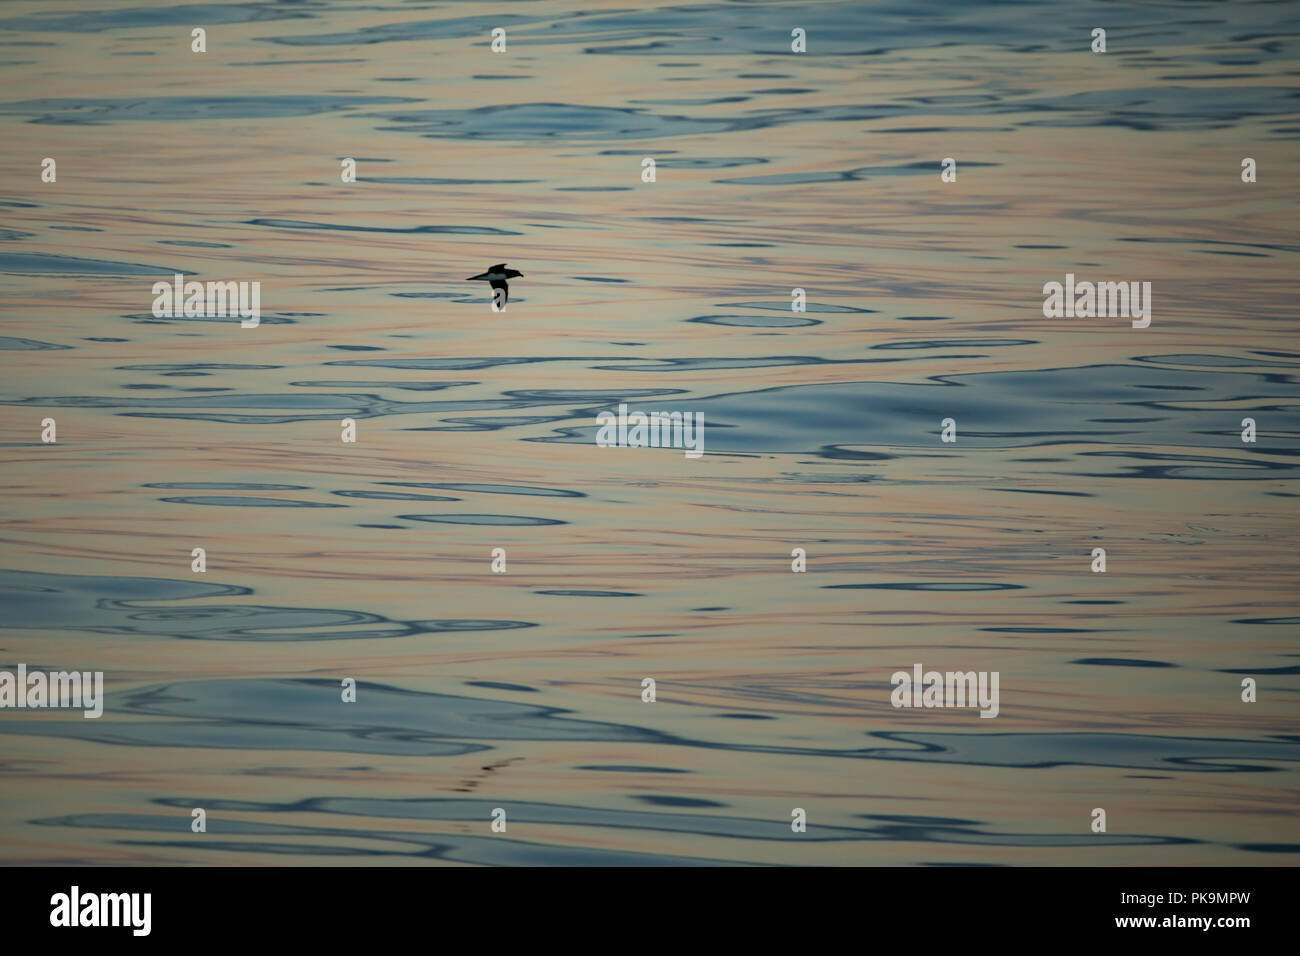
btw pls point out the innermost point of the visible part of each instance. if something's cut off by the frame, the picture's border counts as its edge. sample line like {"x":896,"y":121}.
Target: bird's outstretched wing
{"x":503,"y":286}
{"x":499,"y":267}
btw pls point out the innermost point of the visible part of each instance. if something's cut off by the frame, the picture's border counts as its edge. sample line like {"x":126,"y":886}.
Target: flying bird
{"x":496,"y":277}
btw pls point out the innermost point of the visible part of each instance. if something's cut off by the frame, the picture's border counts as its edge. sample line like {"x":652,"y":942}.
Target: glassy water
{"x":475,"y":430}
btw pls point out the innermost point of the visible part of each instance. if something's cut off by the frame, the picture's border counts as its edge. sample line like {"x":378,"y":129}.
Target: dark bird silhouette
{"x":496,"y":277}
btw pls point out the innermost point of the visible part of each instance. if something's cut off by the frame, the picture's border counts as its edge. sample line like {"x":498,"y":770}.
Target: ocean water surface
{"x":476,"y":430}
